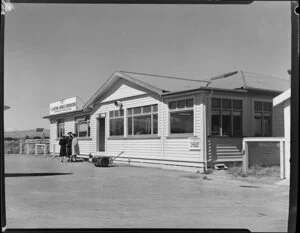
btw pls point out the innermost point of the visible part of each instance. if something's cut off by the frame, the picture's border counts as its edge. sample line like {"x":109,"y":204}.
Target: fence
{"x":35,"y":146}
{"x":264,"y":151}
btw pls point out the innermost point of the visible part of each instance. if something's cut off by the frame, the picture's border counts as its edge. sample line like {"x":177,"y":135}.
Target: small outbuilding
{"x":169,"y":121}
{"x":284,"y":101}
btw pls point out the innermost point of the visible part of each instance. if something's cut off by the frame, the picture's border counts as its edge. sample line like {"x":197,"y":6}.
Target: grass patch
{"x":256,"y":171}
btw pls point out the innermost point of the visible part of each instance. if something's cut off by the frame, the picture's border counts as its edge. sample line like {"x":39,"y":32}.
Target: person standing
{"x":75,"y":147}
{"x":69,"y":146}
{"x":63,"y":148}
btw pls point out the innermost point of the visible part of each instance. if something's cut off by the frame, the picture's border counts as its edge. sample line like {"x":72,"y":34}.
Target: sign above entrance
{"x":194,"y":143}
{"x":66,"y":105}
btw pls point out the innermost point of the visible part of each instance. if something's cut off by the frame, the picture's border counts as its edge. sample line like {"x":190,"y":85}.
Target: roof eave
{"x":66,"y":113}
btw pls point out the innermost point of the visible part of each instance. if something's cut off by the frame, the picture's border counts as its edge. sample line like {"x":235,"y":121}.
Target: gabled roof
{"x":282,"y":97}
{"x":163,"y":84}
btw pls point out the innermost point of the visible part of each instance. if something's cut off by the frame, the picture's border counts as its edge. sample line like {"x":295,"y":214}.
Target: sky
{"x":57,"y":51}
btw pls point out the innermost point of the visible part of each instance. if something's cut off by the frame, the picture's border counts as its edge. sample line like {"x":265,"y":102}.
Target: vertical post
{"x":27,"y":148}
{"x":21,"y":148}
{"x":53,"y":149}
{"x":245,"y":156}
{"x":35,"y":149}
{"x":282,"y":176}
{"x":44,"y":149}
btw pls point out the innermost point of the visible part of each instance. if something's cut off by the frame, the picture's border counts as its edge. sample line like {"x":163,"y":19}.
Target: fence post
{"x":21,"y":148}
{"x":35,"y":149}
{"x":282,"y":165}
{"x":27,"y":148}
{"x":245,"y":156}
{"x":44,"y":149}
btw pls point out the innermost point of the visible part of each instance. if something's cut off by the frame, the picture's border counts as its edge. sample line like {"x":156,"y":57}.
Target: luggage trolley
{"x":104,"y":161}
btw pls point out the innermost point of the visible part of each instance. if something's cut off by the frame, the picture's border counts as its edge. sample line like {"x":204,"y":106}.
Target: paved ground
{"x":42,"y":192}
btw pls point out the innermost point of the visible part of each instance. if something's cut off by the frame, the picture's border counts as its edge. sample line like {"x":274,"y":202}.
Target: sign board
{"x":39,"y":130}
{"x":66,"y":105}
{"x":194,"y":143}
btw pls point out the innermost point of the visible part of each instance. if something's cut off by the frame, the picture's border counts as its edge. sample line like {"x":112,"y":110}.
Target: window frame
{"x":262,"y":100}
{"x":88,"y":121}
{"x":180,"y":135}
{"x":232,"y":110}
{"x":151,"y":113}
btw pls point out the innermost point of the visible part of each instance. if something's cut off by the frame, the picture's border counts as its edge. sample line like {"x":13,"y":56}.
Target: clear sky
{"x":57,"y":51}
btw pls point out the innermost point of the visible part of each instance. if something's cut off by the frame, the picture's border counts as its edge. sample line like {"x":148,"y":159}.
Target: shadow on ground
{"x":36,"y":174}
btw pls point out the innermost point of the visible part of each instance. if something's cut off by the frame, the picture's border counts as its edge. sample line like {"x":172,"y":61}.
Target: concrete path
{"x":43,"y":192}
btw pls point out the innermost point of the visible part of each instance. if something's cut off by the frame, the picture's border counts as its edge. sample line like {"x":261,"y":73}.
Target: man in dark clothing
{"x":63,"y":148}
{"x":69,"y":145}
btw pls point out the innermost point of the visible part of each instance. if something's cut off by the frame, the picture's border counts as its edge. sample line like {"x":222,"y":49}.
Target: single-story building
{"x":171,"y":121}
{"x":284,"y":101}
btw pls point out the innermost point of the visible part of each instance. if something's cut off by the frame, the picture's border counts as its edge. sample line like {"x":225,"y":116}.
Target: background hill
{"x":23,"y":133}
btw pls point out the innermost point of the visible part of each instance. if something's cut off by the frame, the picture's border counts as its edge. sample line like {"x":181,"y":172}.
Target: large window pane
{"x":155,"y":124}
{"x":215,"y":122}
{"x":182,"y":122}
{"x":129,"y":125}
{"x":267,"y":124}
{"x":82,"y":129}
{"x":226,"y":123}
{"x":142,"y":125}
{"x":258,"y":124}
{"x":155,"y":108}
{"x":116,"y":127}
{"x":237,"y":124}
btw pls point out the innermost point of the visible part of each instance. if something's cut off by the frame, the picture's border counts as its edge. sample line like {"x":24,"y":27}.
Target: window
{"x":116,"y":122}
{"x":262,"y":118}
{"x":181,"y":116}
{"x":142,"y":120}
{"x":82,"y":126}
{"x":226,"y":117}
{"x":60,"y":128}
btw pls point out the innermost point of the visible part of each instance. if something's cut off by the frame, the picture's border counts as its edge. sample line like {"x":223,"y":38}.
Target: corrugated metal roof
{"x":167,"y":84}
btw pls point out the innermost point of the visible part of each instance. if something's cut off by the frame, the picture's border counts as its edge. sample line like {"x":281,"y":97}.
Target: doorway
{"x":101,"y":134}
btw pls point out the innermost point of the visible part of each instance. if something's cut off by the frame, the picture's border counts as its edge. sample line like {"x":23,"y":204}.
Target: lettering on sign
{"x":194,"y":143}
{"x":66,"y":105}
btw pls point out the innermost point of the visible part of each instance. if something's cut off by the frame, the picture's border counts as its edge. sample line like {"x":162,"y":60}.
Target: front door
{"x":101,"y":134}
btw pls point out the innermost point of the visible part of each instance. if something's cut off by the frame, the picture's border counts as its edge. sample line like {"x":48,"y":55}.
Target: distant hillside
{"x":23,"y":133}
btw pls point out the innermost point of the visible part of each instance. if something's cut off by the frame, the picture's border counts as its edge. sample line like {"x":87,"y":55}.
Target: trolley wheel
{"x":104,"y":162}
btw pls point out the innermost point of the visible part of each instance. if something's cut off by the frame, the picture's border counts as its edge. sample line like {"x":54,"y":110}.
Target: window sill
{"x":84,"y":138}
{"x":115,"y":138}
{"x":179,"y":136}
{"x":133,"y":137}
{"x":225,"y":136}
{"x":141,"y":137}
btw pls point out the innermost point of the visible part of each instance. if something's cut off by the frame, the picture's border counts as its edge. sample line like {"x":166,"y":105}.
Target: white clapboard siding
{"x":116,"y":146}
{"x":123,"y":89}
{"x":178,"y":149}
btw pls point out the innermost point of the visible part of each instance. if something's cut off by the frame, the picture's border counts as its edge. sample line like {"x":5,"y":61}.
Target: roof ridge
{"x":265,"y":76}
{"x":161,"y":76}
